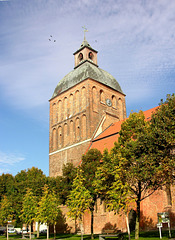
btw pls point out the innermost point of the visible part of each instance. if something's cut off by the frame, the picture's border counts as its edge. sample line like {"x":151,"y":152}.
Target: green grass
{"x":151,"y":235}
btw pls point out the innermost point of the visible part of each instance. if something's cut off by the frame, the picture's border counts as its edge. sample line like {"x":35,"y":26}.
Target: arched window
{"x":54,"y":114}
{"x":83,"y":98}
{"x":114,"y":102}
{"x":80,"y":56}
{"x":54,"y":139}
{"x":94,"y":99}
{"x":65,"y":108}
{"x":102,"y":96}
{"x":120,"y":109}
{"x":83,"y":132}
{"x":77,"y":129}
{"x":91,"y":55}
{"x":60,"y":138}
{"x":71,"y":103}
{"x":59,"y":110}
{"x":65,"y":134}
{"x":71,"y":132}
{"x":77,"y":101}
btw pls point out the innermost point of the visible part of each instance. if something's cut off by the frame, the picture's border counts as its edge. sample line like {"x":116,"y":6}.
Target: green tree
{"x":136,"y":165}
{"x":6,"y":212}
{"x":29,"y":209}
{"x":6,"y":185}
{"x":48,"y":210}
{"x":163,"y":137}
{"x":115,"y":193}
{"x":79,"y":200}
{"x":90,"y":163}
{"x":33,"y":179}
{"x":64,"y":183}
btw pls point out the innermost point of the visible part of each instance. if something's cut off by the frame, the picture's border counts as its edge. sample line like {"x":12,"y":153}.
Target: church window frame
{"x":91,"y":56}
{"x":71,"y":131}
{"x":94,"y":99}
{"x":84,"y":126}
{"x":77,"y":129}
{"x":102,"y":96}
{"x":114,"y":101}
{"x":59,"y":110}
{"x":80,"y":56}
{"x":77,"y":101}
{"x":54,"y":113}
{"x":60,"y":137}
{"x":83,"y":97}
{"x":71,"y":105}
{"x":54,"y":139}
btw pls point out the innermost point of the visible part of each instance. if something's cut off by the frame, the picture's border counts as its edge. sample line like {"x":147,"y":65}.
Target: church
{"x":86,"y":111}
{"x":85,"y":102}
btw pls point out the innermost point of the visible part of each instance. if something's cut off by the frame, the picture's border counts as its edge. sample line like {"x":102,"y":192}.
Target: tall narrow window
{"x":114,"y":102}
{"x":54,"y":139}
{"x":120,"y":109}
{"x":94,"y":99}
{"x":54,"y":113}
{"x":59,"y":111}
{"x":71,"y":103}
{"x":65,"y":134}
{"x":83,"y":98}
{"x":77,"y":130}
{"x":83,"y":127}
{"x":77,"y":101}
{"x":60,"y":137}
{"x":102,"y":97}
{"x":65,"y":108}
{"x":71,"y":132}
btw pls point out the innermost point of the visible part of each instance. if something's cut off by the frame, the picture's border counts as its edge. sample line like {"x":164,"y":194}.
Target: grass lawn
{"x":154,"y":235}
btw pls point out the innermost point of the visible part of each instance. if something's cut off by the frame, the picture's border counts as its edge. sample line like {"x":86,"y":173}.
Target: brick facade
{"x":79,"y":112}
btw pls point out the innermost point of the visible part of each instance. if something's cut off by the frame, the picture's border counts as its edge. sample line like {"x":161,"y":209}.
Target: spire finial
{"x":85,"y":30}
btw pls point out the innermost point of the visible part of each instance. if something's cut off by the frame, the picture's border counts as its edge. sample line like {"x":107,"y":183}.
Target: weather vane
{"x":85,"y":30}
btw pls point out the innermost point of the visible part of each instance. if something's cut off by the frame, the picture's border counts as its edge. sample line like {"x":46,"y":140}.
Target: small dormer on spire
{"x":85,"y":53}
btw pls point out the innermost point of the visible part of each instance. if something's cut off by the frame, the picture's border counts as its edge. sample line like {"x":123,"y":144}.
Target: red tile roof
{"x":110,"y":135}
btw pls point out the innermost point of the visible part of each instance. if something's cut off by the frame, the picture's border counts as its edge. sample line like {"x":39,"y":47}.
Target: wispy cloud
{"x":10,"y":158}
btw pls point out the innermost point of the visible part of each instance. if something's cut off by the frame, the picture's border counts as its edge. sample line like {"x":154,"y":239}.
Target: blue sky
{"x":135,"y":40}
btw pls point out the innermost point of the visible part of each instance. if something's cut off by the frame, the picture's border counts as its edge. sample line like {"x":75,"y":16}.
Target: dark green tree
{"x":63,"y":184}
{"x":90,"y":163}
{"x":33,"y":179}
{"x":6,"y":185}
{"x":163,"y":137}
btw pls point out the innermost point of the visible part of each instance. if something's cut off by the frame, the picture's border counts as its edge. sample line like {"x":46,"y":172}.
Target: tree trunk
{"x":30,"y":229}
{"x":81,"y":228}
{"x":127,"y":223}
{"x":7,"y":232}
{"x":92,"y":224}
{"x":38,"y":230}
{"x":138,"y":212}
{"x":54,"y":229}
{"x":47,"y":232}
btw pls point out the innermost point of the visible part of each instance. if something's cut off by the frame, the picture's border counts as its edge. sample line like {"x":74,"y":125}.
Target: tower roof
{"x":83,"y":72}
{"x":83,"y":45}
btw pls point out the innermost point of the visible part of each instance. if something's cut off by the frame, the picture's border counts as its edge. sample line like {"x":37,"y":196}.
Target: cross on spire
{"x":85,"y":30}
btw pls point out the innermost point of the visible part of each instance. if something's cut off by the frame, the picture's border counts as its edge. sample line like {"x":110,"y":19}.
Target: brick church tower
{"x":85,"y":102}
